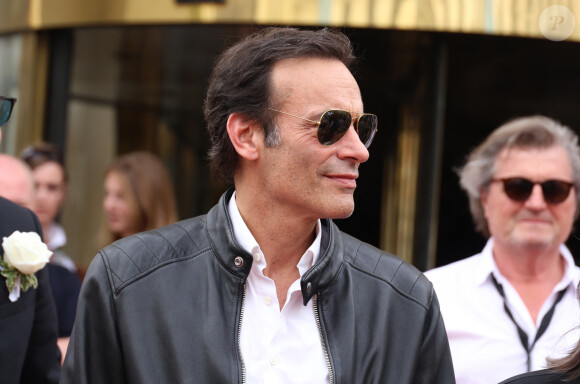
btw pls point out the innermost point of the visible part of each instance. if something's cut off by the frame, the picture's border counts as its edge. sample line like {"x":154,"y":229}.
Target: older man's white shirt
{"x":484,"y":342}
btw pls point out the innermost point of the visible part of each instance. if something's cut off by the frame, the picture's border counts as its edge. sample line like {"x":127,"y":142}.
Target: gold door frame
{"x":497,"y":17}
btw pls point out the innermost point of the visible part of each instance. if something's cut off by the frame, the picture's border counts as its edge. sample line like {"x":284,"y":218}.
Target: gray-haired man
{"x":510,"y":307}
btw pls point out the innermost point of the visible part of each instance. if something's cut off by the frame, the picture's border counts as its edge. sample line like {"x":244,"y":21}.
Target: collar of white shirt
{"x":246,"y":240}
{"x":56,"y":237}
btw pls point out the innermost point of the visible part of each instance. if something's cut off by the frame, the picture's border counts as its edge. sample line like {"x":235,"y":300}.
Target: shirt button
{"x":272,"y":361}
{"x":257,"y":256}
{"x":267,"y":300}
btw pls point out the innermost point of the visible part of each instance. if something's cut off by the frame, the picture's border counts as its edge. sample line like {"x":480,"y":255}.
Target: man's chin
{"x":342,"y":216}
{"x":341,"y":212}
{"x":535,"y":242}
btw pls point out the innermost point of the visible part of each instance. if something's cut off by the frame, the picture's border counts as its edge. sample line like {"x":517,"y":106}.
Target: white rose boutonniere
{"x":24,"y":255}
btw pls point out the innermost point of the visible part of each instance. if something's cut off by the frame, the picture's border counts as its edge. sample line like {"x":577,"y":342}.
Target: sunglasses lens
{"x":333,"y":126}
{"x":367,"y":128}
{"x":555,"y":191}
{"x":518,"y":189}
{"x":5,"y":110}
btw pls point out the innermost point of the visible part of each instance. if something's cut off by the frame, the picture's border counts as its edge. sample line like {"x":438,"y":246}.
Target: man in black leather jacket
{"x":265,"y":287}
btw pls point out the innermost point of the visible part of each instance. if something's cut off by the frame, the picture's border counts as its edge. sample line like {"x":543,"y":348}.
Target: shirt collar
{"x":56,"y":237}
{"x":311,"y":254}
{"x":571,"y":275}
{"x":247,"y":241}
{"x":487,"y":266}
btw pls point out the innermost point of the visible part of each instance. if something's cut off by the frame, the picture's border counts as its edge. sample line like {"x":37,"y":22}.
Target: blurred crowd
{"x":138,"y":196}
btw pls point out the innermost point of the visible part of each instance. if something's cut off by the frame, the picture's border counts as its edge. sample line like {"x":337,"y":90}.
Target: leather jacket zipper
{"x":240,"y":336}
{"x":324,"y":349}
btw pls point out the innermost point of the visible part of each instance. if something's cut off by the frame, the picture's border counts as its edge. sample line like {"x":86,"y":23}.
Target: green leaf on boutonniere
{"x":28,"y":281}
{"x":13,"y":275}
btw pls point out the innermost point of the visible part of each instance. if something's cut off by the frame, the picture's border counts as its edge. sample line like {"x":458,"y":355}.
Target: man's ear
{"x":483,"y":193}
{"x":245,"y":135}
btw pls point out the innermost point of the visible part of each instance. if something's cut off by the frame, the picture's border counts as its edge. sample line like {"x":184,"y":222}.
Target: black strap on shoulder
{"x":543,"y":325}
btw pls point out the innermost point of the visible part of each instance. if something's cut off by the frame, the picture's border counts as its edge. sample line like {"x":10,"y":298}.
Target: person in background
{"x":512,"y":306}
{"x":50,"y":186}
{"x":561,"y":371}
{"x":28,"y":326}
{"x":15,"y":181}
{"x":50,"y":181}
{"x":265,"y":287}
{"x":138,"y":195}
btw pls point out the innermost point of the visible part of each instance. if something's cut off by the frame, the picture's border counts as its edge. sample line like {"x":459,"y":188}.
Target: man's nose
{"x":536,"y":199}
{"x":351,"y":147}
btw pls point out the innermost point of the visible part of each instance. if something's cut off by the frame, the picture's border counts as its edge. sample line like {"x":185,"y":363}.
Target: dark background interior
{"x":489,"y":80}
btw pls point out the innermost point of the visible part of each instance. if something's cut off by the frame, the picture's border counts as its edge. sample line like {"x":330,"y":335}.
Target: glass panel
{"x":138,"y":89}
{"x":10,"y":52}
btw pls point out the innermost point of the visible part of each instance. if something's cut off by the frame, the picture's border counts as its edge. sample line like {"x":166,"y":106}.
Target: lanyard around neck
{"x":543,"y":325}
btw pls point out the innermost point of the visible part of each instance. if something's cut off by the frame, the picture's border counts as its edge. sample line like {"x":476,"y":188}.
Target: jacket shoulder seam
{"x":395,"y":288}
{"x":120,"y":287}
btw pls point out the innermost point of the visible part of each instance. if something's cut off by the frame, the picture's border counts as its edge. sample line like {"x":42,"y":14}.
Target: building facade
{"x":102,"y":78}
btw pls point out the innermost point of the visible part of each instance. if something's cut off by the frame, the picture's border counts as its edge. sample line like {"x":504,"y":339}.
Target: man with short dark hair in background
{"x":514,"y":304}
{"x":28,"y":329}
{"x":265,"y":287}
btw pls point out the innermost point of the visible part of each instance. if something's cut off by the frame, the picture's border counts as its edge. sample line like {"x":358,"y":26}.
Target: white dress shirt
{"x":484,"y":342}
{"x":277,"y":346}
{"x":55,"y":239}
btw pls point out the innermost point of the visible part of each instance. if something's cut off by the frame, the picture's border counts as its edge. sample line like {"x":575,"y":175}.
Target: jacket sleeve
{"x":95,"y":354}
{"x":42,"y":363}
{"x":435,"y":364}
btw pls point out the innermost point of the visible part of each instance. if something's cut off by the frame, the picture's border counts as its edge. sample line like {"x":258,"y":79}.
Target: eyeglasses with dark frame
{"x":334,"y":123}
{"x":6,"y":105}
{"x":519,"y":189}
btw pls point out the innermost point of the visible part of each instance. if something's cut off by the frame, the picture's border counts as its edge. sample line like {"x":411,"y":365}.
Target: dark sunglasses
{"x":6,"y":105}
{"x":334,"y":124}
{"x":519,"y":189}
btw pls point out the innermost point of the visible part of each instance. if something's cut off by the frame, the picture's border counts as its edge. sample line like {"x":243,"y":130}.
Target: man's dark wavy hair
{"x":240,"y":83}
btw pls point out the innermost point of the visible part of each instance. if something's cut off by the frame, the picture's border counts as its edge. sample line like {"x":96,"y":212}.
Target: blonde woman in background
{"x":138,"y":195}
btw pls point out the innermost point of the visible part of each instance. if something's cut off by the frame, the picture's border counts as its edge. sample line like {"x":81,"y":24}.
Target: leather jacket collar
{"x":239,"y":262}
